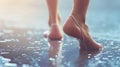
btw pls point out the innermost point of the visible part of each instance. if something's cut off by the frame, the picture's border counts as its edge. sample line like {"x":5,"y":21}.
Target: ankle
{"x":80,"y":18}
{"x":54,"y":20}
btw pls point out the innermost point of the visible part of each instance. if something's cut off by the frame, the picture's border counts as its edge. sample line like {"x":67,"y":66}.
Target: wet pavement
{"x":21,"y":47}
{"x":28,"y":48}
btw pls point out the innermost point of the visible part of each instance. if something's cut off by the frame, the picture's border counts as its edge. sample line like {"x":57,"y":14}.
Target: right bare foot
{"x":81,"y":32}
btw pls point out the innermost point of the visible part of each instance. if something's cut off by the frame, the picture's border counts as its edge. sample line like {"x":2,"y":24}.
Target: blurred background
{"x":23,"y":22}
{"x":103,"y":16}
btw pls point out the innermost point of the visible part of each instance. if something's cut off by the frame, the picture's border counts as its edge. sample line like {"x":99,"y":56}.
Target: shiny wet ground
{"x":28,"y":48}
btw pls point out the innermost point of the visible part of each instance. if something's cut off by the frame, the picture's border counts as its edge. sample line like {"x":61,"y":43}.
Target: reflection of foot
{"x":85,"y":56}
{"x":55,"y":49}
{"x":80,"y":31}
{"x":55,"y":53}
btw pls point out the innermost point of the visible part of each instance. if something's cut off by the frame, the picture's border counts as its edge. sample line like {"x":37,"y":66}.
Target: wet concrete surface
{"x":28,"y":48}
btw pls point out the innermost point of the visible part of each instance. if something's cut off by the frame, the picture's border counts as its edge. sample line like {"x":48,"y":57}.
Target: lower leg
{"x":58,"y":19}
{"x":53,"y":11}
{"x":80,"y":10}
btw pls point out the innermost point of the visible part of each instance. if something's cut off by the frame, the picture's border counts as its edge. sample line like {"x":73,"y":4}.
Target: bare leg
{"x":70,"y":28}
{"x":80,"y":9}
{"x":54,"y":20}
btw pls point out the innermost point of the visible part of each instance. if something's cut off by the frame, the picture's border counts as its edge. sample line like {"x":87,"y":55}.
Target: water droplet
{"x":10,"y":65}
{"x":99,"y":61}
{"x":109,"y":56}
{"x":4,"y":53}
{"x":52,"y":59}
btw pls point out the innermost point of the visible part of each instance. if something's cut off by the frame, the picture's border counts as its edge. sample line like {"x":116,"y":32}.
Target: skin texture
{"x":80,"y":31}
{"x":54,"y":22}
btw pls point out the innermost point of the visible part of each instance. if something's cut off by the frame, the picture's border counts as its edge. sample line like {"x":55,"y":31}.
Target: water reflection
{"x":28,"y":48}
{"x":17,"y":59}
{"x":85,"y":56}
{"x":55,"y":53}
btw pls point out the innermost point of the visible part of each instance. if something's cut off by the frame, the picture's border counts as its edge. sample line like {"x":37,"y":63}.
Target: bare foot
{"x":81,"y":32}
{"x":55,"y":32}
